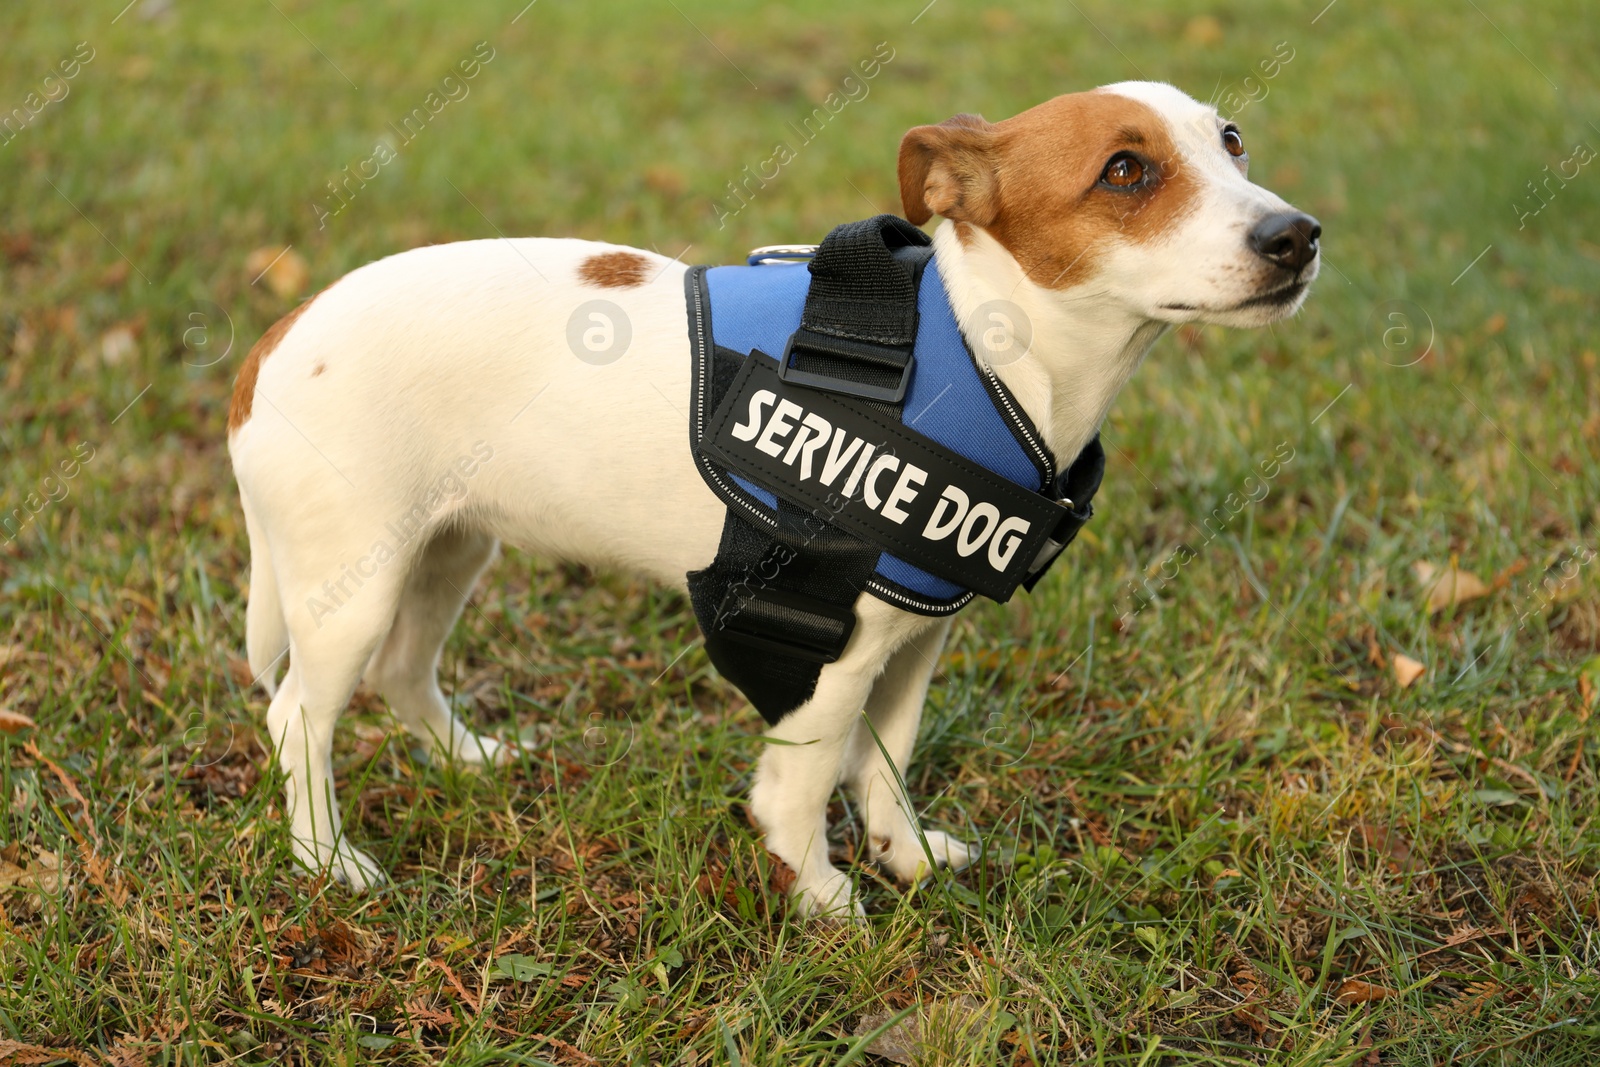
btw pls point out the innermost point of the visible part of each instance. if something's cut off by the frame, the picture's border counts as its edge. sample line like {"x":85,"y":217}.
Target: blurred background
{"x":1380,"y":670}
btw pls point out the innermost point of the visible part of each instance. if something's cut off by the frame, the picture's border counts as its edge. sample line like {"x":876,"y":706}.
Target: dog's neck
{"x":1083,"y":351}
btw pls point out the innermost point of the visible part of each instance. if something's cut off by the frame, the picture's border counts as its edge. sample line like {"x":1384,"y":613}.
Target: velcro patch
{"x":880,"y":480}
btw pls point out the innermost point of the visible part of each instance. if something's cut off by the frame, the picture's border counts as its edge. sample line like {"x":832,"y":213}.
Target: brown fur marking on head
{"x":1032,"y":181}
{"x":614,"y":270}
{"x":244,"y":386}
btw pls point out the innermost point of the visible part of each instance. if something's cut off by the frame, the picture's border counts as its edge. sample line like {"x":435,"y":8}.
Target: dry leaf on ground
{"x":1448,"y":586}
{"x":283,"y":269}
{"x":1353,"y":991}
{"x":1407,"y":670}
{"x":39,"y":877}
{"x":118,"y":345}
{"x":14,"y":722}
{"x":19,"y":1053}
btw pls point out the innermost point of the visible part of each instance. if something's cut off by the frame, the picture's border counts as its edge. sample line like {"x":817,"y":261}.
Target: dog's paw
{"x":349,"y":865}
{"x":908,"y":862}
{"x":831,"y":898}
{"x":477,"y":751}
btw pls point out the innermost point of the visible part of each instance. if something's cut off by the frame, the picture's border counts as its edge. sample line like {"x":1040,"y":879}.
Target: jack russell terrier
{"x":436,"y":395}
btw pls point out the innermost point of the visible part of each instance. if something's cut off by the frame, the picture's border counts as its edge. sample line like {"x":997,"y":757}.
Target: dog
{"x":392,"y":431}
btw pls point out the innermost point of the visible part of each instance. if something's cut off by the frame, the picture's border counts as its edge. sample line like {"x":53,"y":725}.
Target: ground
{"x":1217,"y":828}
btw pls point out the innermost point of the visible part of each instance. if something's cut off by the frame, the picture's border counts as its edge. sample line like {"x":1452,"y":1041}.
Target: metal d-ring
{"x":780,"y":254}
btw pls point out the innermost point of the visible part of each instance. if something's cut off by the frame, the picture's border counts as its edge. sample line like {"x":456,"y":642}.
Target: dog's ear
{"x":949,"y":170}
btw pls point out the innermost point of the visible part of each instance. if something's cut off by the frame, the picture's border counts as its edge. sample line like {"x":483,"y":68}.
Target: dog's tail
{"x":265,"y":634}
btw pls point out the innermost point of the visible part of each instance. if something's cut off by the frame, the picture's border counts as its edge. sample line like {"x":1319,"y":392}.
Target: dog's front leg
{"x":895,"y":841}
{"x":795,"y":779}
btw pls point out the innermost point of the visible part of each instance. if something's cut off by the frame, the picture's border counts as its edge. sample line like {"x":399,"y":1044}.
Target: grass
{"x":1216,"y":828}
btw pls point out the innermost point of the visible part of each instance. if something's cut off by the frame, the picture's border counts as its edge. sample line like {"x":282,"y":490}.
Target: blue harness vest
{"x":950,"y":400}
{"x":876,"y":454}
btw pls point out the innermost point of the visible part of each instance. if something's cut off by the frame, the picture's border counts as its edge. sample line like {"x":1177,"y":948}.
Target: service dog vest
{"x":874,"y":454}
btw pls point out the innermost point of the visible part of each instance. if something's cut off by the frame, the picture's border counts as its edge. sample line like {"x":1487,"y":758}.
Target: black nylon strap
{"x":859,"y":290}
{"x":1075,"y":487}
{"x":881,"y":481}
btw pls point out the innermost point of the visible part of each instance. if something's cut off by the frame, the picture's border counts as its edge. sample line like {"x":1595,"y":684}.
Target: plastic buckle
{"x":787,"y":623}
{"x":838,"y":347}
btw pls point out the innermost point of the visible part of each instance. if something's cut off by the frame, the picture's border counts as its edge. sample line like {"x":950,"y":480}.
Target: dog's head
{"x":1135,"y":190}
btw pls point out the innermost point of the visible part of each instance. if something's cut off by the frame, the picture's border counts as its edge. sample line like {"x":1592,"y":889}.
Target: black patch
{"x":958,"y":520}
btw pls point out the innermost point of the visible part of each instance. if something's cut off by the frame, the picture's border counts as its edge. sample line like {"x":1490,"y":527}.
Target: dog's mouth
{"x":1280,"y":297}
{"x":1288,"y":294}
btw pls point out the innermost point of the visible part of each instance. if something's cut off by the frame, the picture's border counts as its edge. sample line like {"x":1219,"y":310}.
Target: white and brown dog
{"x":434,"y":394}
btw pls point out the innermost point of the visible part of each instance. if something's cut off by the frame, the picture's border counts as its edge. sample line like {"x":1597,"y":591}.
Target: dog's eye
{"x":1123,"y":171}
{"x":1233,"y":141}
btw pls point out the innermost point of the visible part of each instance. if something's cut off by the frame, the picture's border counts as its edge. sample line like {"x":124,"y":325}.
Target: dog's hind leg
{"x":405,"y":669}
{"x":328,"y":646}
{"x":266,"y":634}
{"x":895,"y":711}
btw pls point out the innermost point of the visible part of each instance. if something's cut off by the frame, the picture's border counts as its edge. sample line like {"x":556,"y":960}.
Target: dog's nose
{"x":1288,"y":239}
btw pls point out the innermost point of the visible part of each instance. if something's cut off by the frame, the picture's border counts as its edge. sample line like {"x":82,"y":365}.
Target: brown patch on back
{"x":244,"y":386}
{"x":614,"y":270}
{"x":1032,"y":180}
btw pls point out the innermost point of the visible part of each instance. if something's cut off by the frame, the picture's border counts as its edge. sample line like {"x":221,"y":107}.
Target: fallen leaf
{"x":39,"y":878}
{"x":1588,"y":674}
{"x":283,"y":269}
{"x":1448,"y":586}
{"x":118,"y":345}
{"x":1471,"y":1000}
{"x":1253,"y":1012}
{"x":14,"y":722}
{"x":17,"y":247}
{"x":19,"y":1053}
{"x":1203,"y":29}
{"x":1357,"y":992}
{"x":665,"y":179}
{"x":1407,"y":670}
{"x":416,"y":1010}
{"x":1388,"y":842}
{"x":999,"y":20}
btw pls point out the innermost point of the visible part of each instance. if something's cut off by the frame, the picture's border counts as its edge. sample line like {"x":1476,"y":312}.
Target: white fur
{"x":432,"y":353}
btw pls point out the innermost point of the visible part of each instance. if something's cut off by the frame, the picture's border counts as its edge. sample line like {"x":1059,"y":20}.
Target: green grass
{"x":1206,"y":804}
